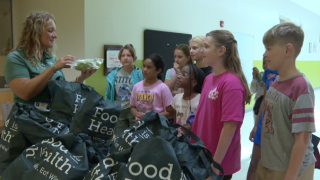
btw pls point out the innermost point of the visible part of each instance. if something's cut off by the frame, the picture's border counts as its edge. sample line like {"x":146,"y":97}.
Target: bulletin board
{"x":164,"y":43}
{"x":111,"y":60}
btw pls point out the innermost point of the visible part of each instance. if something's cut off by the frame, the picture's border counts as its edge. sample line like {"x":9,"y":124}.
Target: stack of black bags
{"x":75,"y":140}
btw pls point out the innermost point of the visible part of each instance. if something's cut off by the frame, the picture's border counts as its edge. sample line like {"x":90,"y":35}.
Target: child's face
{"x":195,"y":51}
{"x":180,"y":58}
{"x":184,"y":78}
{"x":264,"y":65}
{"x":211,"y":53}
{"x":126,"y":58}
{"x":275,"y":56}
{"x":149,"y":70}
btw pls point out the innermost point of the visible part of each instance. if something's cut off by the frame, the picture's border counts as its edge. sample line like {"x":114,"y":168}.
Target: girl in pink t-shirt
{"x":152,"y":93}
{"x":222,"y":104}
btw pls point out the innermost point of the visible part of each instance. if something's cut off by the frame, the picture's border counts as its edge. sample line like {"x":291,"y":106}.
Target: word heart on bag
{"x":151,"y":125}
{"x":97,"y":118}
{"x":63,"y":157}
{"x":23,"y":128}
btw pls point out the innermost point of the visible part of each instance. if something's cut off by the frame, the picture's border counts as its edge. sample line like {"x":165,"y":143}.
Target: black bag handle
{"x":197,"y":140}
{"x":207,"y":161}
{"x":150,"y":115}
{"x":204,"y":154}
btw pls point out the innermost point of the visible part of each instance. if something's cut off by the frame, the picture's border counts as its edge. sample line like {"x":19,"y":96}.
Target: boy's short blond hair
{"x":283,"y":34}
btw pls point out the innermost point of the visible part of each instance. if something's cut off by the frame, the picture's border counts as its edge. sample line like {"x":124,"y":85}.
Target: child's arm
{"x":169,"y":112}
{"x":297,"y":155}
{"x":174,"y":116}
{"x":136,"y":113}
{"x":254,"y":86}
{"x":226,"y":136}
{"x":253,"y":132}
{"x":254,"y":82}
{"x":170,"y":83}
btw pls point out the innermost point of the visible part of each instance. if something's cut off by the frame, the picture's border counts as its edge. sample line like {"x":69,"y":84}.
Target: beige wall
{"x":69,"y":15}
{"x":5,"y":24}
{"x":2,"y":58}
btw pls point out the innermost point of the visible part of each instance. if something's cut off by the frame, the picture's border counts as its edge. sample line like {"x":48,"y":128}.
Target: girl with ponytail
{"x":222,"y":103}
{"x":151,"y":93}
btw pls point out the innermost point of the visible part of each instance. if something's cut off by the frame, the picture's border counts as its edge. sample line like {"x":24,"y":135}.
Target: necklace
{"x":42,"y":63}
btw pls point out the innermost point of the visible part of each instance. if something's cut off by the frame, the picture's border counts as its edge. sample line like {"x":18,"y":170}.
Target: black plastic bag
{"x":62,"y":157}
{"x":152,"y":158}
{"x":315,"y":141}
{"x":151,"y":125}
{"x":108,"y":168}
{"x":24,"y":128}
{"x":67,"y":99}
{"x":195,"y":159}
{"x":97,"y":118}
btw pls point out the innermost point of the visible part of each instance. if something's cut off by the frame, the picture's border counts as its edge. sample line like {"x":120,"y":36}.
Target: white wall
{"x":121,"y":22}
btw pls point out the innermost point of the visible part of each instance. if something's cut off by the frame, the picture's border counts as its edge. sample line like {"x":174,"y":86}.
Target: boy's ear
{"x":289,"y":50}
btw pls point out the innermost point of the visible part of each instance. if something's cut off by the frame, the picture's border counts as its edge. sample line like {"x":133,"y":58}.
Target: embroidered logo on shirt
{"x":213,"y":94}
{"x":269,"y":119}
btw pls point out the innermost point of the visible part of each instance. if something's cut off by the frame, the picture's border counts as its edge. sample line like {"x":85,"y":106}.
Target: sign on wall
{"x":111,"y":58}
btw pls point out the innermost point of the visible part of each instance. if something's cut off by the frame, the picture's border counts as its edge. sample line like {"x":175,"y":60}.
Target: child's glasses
{"x":184,"y":75}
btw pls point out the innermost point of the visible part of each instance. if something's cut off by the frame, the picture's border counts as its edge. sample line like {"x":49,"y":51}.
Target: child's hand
{"x":139,"y":115}
{"x":176,"y":67}
{"x":179,"y":132}
{"x":262,"y":85}
{"x":187,"y":126}
{"x":255,"y":72}
{"x":253,"y":133}
{"x":137,"y":119}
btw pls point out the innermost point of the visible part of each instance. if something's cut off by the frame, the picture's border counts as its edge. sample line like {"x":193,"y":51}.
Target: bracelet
{"x":54,"y":68}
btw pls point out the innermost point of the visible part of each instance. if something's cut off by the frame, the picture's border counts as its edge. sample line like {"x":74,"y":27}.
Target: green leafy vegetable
{"x":84,"y":64}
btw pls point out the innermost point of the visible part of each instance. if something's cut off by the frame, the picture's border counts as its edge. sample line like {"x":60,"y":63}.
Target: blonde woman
{"x":196,"y":44}
{"x":32,"y":63}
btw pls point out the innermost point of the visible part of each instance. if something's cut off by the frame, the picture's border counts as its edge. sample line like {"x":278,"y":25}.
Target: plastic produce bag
{"x":84,"y":64}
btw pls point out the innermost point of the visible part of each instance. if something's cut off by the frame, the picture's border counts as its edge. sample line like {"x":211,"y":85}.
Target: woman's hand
{"x":176,"y":67}
{"x":85,"y":74}
{"x":253,"y":133}
{"x":64,"y":62}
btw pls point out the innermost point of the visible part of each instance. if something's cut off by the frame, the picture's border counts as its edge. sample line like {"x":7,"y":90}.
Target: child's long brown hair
{"x":231,"y":60}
